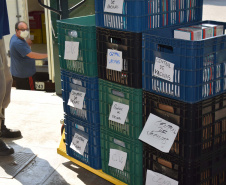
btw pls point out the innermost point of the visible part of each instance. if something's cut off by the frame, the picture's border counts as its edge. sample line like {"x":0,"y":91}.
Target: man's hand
{"x":29,"y":41}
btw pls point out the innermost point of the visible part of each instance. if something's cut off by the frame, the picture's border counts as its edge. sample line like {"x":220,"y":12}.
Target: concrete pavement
{"x":214,"y":10}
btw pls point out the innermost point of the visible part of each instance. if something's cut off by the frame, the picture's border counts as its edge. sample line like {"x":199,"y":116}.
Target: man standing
{"x":23,"y":59}
{"x":5,"y":78}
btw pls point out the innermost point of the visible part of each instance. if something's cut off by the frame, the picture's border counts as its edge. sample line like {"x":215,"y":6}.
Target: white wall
{"x":12,"y":13}
{"x":214,"y":10}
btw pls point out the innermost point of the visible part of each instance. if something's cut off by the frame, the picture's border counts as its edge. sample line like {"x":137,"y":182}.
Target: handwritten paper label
{"x":164,"y":69}
{"x":114,"y":6}
{"x":114,"y":60}
{"x":159,"y":133}
{"x":71,"y":50}
{"x":117,"y":159}
{"x":154,"y":178}
{"x":78,"y":143}
{"x":76,"y":99}
{"x":119,"y":112}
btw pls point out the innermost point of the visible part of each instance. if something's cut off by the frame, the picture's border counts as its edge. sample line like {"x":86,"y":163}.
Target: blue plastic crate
{"x":92,"y":153}
{"x":140,"y":15}
{"x":89,"y":85}
{"x":199,"y":66}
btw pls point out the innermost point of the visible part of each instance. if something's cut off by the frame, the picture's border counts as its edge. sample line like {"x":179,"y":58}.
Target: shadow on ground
{"x":84,"y":175}
{"x":27,"y":168}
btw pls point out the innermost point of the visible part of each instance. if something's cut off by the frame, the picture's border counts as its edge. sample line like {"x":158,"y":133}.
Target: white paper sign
{"x":117,"y":159}
{"x":76,"y":99}
{"x":114,"y":6}
{"x":154,"y":178}
{"x":32,"y":37}
{"x":78,"y":143}
{"x":119,"y":112}
{"x":164,"y":69}
{"x":71,"y":50}
{"x":159,"y":133}
{"x":114,"y":60}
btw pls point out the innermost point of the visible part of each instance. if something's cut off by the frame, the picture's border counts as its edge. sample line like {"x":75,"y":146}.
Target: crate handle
{"x":115,"y":40}
{"x":79,"y":127}
{"x":118,"y":93}
{"x":166,"y":108}
{"x":165,"y":48}
{"x":120,"y":143}
{"x":76,"y":81}
{"x":165,"y":163}
{"x":220,"y":114}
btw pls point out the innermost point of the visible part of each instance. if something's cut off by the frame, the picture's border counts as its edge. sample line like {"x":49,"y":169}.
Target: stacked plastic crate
{"x":184,"y":84}
{"x":119,"y":57}
{"x":120,"y":26}
{"x":78,"y":61}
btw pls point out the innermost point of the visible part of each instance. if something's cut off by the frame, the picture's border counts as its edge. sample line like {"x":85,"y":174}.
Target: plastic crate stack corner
{"x":78,"y":61}
{"x":121,"y":33}
{"x":192,"y":97}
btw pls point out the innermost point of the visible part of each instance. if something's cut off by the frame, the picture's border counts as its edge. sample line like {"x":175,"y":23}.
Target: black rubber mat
{"x":11,"y":165}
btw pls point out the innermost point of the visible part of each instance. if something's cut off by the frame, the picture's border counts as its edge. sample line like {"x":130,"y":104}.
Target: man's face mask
{"x":24,"y":33}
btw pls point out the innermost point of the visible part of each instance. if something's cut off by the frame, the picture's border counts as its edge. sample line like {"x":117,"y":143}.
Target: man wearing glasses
{"x":23,"y":59}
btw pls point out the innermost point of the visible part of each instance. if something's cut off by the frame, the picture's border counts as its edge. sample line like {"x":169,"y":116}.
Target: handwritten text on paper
{"x":164,"y":69}
{"x":71,"y":50}
{"x":159,"y":133}
{"x":118,"y":112}
{"x":78,"y":143}
{"x":154,"y":178}
{"x":114,"y":60}
{"x":117,"y":159}
{"x":114,"y":6}
{"x":76,"y":99}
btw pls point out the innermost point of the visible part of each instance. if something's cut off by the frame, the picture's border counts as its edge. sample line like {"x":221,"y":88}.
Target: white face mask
{"x":24,"y":34}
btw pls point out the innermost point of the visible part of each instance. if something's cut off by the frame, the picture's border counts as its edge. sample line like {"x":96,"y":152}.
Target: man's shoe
{"x":10,"y":133}
{"x":5,"y":149}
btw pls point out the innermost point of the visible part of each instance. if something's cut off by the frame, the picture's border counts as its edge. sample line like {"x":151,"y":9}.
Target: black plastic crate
{"x":130,"y":44}
{"x":209,"y":171}
{"x":202,"y":126}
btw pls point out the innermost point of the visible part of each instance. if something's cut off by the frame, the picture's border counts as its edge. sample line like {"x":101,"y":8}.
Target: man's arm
{"x":37,"y":55}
